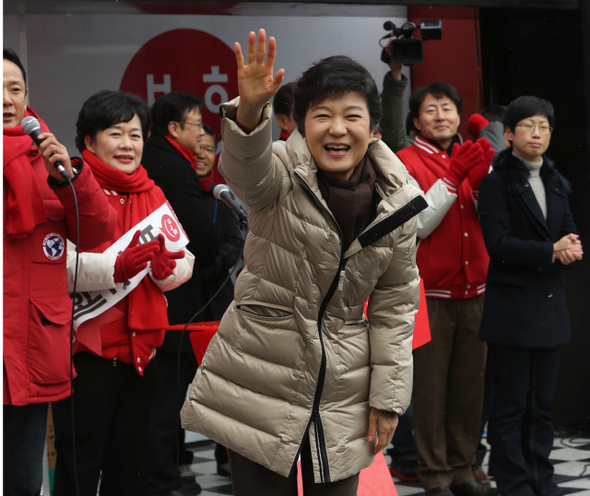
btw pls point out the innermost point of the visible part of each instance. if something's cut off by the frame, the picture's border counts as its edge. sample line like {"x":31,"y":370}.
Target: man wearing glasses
{"x":169,"y":158}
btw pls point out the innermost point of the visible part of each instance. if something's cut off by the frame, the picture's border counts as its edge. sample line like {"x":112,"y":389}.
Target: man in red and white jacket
{"x":448,"y":371}
{"x":39,"y":216}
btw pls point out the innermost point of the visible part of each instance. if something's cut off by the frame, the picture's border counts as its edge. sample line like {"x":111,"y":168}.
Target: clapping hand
{"x":463,"y":159}
{"x":256,"y":83}
{"x":134,"y":258}
{"x":164,"y":261}
{"x":481,"y":168}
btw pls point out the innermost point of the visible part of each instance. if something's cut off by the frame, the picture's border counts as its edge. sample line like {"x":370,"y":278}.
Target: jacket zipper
{"x":315,"y":413}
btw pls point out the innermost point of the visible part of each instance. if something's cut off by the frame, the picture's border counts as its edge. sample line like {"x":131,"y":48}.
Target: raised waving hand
{"x":256,"y":82}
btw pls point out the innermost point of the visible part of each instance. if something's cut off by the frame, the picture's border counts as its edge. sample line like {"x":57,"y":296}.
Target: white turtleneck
{"x":536,"y":182}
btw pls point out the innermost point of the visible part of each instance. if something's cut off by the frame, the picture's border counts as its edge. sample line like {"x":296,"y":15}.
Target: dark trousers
{"x":112,"y":408}
{"x":251,"y":479}
{"x":521,"y":426}
{"x":25,"y":429}
{"x":174,"y":374}
{"x":488,"y":402}
{"x":448,"y":392}
{"x":404,"y":447}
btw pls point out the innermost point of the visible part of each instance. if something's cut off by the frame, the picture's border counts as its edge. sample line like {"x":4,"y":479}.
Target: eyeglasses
{"x":542,"y":128}
{"x":198,"y":124}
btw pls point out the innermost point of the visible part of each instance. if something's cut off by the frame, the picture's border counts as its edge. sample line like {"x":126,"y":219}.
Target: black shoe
{"x":190,"y":486}
{"x":185,"y":491}
{"x":223,"y":469}
{"x":439,"y":491}
{"x":480,"y":476}
{"x":406,"y":470}
{"x":473,"y":488}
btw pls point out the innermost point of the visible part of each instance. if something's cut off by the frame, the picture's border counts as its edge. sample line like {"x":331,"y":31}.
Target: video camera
{"x":404,"y":49}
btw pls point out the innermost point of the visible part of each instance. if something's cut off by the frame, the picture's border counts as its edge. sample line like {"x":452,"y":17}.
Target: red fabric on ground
{"x":375,"y":480}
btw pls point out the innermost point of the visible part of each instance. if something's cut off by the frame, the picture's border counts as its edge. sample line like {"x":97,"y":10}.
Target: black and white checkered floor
{"x":570,"y":455}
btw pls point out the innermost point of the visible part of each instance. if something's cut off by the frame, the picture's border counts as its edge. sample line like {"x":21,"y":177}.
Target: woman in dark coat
{"x":530,"y":236}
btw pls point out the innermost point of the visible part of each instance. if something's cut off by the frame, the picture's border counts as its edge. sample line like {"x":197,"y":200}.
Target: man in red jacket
{"x":448,"y":371}
{"x":39,"y":215}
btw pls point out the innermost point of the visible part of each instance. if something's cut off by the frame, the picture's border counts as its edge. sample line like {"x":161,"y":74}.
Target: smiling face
{"x":338,"y":132}
{"x":530,"y":138}
{"x":119,"y":146}
{"x":439,"y":120}
{"x":14,"y":96}
{"x":206,"y":158}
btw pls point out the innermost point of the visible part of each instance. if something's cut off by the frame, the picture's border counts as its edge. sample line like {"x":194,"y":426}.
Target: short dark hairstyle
{"x":334,"y":77}
{"x":283,"y":100}
{"x":437,"y":89}
{"x":173,"y":107}
{"x":527,"y":106}
{"x":107,"y":108}
{"x":10,"y":54}
{"x":494,"y":112}
{"x":209,"y":130}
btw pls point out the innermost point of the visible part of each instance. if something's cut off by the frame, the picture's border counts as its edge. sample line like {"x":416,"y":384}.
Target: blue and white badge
{"x":54,"y":246}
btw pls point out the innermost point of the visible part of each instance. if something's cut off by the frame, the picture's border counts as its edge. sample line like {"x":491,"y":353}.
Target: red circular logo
{"x":185,"y":60}
{"x":170,"y":228}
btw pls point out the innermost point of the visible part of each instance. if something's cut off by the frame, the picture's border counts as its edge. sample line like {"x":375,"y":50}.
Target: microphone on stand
{"x":226,"y":195}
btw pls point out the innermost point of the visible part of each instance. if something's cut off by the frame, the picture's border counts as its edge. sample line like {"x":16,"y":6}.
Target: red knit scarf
{"x":146,"y":304}
{"x":185,"y":152}
{"x":24,"y":202}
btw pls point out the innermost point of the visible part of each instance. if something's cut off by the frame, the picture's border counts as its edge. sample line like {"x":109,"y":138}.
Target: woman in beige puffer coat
{"x":295,"y":362}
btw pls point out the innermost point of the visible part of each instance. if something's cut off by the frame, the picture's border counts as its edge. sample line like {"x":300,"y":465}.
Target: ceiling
{"x":366,"y":8}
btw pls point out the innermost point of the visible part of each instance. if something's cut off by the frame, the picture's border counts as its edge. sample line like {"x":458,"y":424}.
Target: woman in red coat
{"x":114,"y":387}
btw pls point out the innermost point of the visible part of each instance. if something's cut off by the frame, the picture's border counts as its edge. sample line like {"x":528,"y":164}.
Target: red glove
{"x":482,"y":168}
{"x":134,"y":258}
{"x":475,"y":124}
{"x":463,"y":159}
{"x":164,"y":262}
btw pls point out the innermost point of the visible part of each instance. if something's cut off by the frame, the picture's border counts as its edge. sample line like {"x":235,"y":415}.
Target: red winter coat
{"x":37,"y":308}
{"x":452,"y":259}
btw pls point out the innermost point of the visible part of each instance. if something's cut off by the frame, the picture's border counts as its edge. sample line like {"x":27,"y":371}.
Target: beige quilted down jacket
{"x":294,"y":353}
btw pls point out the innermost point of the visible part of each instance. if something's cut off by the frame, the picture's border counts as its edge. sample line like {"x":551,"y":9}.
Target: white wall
{"x":71,"y":56}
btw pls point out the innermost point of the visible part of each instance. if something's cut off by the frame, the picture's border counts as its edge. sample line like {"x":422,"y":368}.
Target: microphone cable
{"x":182,"y":333}
{"x":74,"y":455}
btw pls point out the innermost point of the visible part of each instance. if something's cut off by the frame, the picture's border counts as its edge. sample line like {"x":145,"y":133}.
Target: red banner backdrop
{"x":185,"y":60}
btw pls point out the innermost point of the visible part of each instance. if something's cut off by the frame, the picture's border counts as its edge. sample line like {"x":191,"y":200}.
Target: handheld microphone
{"x":226,"y":195}
{"x":31,"y":126}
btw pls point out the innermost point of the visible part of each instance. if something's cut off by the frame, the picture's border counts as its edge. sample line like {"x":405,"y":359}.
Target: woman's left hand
{"x":384,"y":423}
{"x":256,"y":83}
{"x":164,"y":261}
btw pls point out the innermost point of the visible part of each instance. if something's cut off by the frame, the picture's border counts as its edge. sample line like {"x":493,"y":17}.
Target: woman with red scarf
{"x":113,"y":391}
